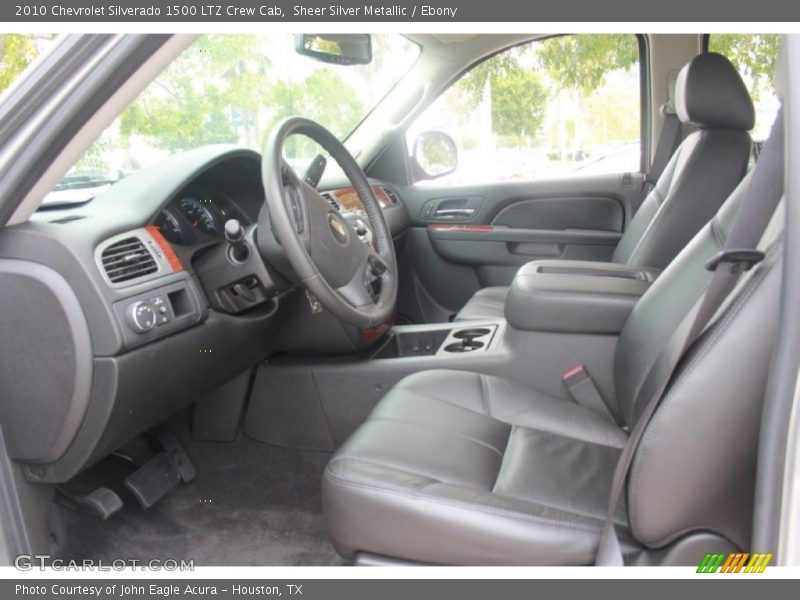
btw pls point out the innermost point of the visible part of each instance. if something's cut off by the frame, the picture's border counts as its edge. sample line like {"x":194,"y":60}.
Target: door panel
{"x":597,"y":213}
{"x":503,"y":245}
{"x":547,"y":162}
{"x":465,"y":238}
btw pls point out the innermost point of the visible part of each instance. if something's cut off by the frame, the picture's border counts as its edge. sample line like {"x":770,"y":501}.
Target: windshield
{"x":234,"y":89}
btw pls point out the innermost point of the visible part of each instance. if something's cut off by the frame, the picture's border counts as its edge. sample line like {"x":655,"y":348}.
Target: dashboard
{"x":347,"y":201}
{"x":198,"y":213}
{"x":136,"y":289}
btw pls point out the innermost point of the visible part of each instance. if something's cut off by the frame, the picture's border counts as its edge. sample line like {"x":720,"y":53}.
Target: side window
{"x":17,"y":51}
{"x":754,"y":55}
{"x":558,"y":107}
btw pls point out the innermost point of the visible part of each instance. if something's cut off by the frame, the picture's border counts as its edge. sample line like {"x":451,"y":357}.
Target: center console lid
{"x":572,"y":296}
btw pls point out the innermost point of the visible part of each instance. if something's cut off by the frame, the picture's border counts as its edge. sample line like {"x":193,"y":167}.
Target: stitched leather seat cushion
{"x":472,"y":468}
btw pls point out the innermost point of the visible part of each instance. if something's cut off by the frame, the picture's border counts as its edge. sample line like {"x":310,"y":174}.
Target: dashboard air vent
{"x":128,"y":259}
{"x":391,"y":195}
{"x":332,"y":200}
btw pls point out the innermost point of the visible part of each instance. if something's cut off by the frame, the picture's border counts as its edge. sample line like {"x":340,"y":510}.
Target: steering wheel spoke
{"x":295,"y":204}
{"x":365,"y":285}
{"x":297,"y":209}
{"x":356,"y":292}
{"x":375,"y":264}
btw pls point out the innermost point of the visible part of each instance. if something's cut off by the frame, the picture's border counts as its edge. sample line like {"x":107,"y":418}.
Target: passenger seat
{"x":707,"y":166}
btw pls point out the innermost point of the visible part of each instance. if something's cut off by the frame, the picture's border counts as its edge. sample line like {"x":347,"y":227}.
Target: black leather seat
{"x":445,"y":447}
{"x":463,"y":468}
{"x":711,"y":97}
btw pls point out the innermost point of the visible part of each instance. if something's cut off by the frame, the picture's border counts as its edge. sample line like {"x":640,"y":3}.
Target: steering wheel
{"x":355,"y":281}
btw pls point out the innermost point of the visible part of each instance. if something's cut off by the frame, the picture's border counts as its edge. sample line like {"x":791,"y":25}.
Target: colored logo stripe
{"x":758,"y":563}
{"x":735,"y":562}
{"x":710,"y":563}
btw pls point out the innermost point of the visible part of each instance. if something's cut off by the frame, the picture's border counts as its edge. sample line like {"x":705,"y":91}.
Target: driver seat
{"x":460,"y":467}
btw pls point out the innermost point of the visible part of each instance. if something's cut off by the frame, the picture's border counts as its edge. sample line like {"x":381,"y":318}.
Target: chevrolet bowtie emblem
{"x":338,"y":229}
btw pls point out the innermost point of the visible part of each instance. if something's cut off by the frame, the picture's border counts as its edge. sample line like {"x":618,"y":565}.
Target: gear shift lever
{"x":234,"y":233}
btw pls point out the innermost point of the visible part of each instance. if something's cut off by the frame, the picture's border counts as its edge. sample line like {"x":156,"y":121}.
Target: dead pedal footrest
{"x":154,"y":480}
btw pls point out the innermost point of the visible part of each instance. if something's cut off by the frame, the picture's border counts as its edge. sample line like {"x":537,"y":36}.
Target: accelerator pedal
{"x":154,"y":480}
{"x":177,"y":454}
{"x":101,"y":502}
{"x":162,"y":473}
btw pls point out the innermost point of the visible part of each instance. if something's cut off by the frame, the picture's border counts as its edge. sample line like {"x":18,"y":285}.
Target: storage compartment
{"x":626,"y":273}
{"x":410,"y":341}
{"x":575,"y":296}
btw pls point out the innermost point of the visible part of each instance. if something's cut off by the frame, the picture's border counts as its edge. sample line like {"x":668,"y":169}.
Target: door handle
{"x":454,"y":212}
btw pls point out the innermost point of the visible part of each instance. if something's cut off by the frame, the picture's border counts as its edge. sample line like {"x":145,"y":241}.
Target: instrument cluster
{"x":194,"y":215}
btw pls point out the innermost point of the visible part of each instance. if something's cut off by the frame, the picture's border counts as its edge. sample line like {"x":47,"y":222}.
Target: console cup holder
{"x":468,"y":334}
{"x":467,"y":345}
{"x":462,"y":340}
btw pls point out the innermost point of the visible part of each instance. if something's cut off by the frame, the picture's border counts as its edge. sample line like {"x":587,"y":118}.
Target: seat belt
{"x":585,"y":393}
{"x":669,"y":140}
{"x":755,"y":150}
{"x":739,"y":254}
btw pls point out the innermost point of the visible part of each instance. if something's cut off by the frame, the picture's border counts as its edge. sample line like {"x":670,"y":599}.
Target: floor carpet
{"x":250,"y":504}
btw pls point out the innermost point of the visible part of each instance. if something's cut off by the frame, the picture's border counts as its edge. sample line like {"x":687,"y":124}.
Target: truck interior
{"x":383,"y":300}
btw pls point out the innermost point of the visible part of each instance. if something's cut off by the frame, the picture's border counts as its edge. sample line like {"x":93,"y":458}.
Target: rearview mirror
{"x":435,"y":155}
{"x":335,"y":48}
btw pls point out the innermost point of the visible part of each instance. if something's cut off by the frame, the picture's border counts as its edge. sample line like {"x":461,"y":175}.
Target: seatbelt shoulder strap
{"x":668,"y":141}
{"x":739,"y":254}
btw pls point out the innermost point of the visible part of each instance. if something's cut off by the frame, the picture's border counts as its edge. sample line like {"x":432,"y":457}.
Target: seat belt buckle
{"x":740,"y":259}
{"x":585,"y":392}
{"x":574,"y":376}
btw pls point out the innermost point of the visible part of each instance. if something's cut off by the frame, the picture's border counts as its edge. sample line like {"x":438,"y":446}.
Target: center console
{"x":559,"y":314}
{"x":569,"y":296}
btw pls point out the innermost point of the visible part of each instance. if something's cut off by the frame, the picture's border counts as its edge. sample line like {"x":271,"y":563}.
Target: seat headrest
{"x":710,"y":93}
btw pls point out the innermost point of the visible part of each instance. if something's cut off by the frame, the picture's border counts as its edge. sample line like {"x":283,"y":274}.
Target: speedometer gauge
{"x":200,"y":215}
{"x":172,"y":229}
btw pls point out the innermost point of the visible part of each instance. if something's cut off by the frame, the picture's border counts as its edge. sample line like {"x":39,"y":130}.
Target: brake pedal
{"x":101,"y":502}
{"x":151,"y":482}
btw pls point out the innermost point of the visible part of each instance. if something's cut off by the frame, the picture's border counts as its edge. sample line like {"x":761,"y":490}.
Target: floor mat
{"x":250,"y":504}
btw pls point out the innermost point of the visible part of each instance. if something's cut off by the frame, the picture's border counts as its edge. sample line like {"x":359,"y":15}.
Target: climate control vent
{"x":127,"y":259}
{"x":332,"y":201}
{"x":391,"y":195}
